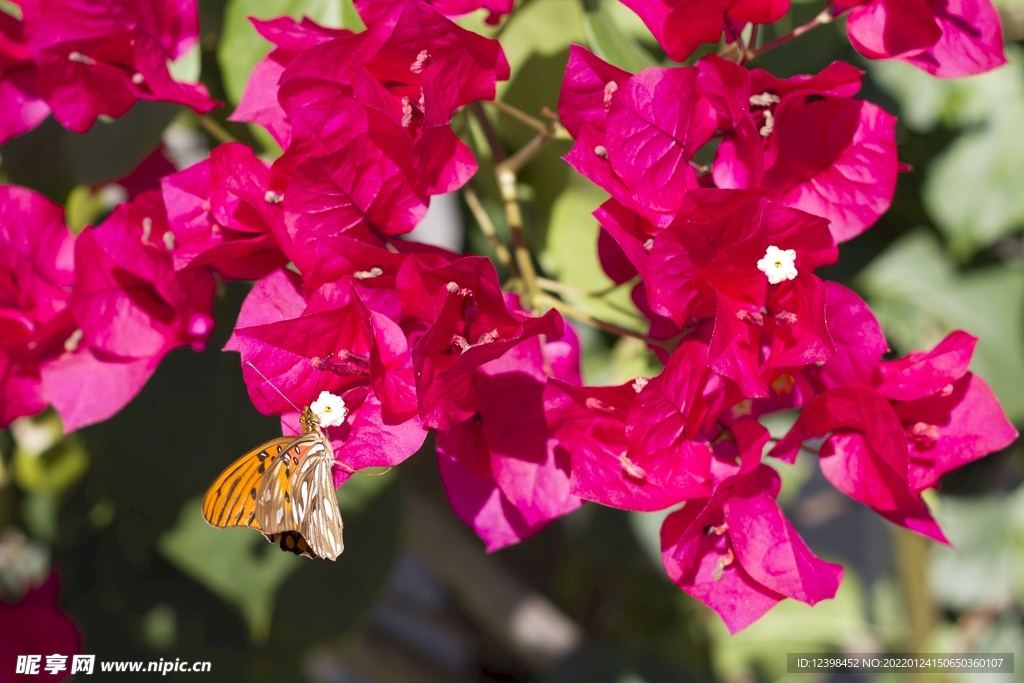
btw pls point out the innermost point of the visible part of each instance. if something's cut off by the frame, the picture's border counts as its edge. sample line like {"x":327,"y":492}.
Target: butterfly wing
{"x":274,"y":509}
{"x":231,"y":499}
{"x":316,"y":504}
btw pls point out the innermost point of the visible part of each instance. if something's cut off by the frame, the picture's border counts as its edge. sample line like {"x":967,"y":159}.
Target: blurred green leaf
{"x":790,"y":626}
{"x":356,"y":493}
{"x":226,"y":561}
{"x":628,"y":359}
{"x":608,"y":38}
{"x":39,"y":510}
{"x":971,"y":191}
{"x":241,"y":47}
{"x":571,"y":254}
{"x":921,"y":96}
{"x":186,"y":68}
{"x":44,"y":460}
{"x":647,"y":529}
{"x":546,"y":27}
{"x":53,"y":160}
{"x":160,"y":627}
{"x":919,"y":297}
{"x":982,"y":570}
{"x":1001,"y":633}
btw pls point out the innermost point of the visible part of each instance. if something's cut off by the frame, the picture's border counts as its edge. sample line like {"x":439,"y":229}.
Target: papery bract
{"x":259,"y":103}
{"x":656,"y":122}
{"x":865,"y":454}
{"x":127,"y":297}
{"x":738,"y":553}
{"x":100,"y":60}
{"x":950,"y":416}
{"x":505,"y":473}
{"x":470,"y":324}
{"x":682,"y":25}
{"x":825,"y":153}
{"x":36,"y":274}
{"x":36,"y":625}
{"x":671,"y":422}
{"x":223,"y":215}
{"x":21,"y":107}
{"x":946,"y":38}
{"x":362,"y":190}
{"x":705,"y":264}
{"x":587,"y":90}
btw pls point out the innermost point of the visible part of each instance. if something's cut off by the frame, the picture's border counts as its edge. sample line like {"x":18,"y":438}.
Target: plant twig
{"x":514,"y":216}
{"x":588,"y":319}
{"x":505,"y":170}
{"x":489,"y":231}
{"x":216,"y":131}
{"x":497,"y":149}
{"x":553,"y":129}
{"x":825,"y":17}
{"x":749,"y":48}
{"x":556,"y":287}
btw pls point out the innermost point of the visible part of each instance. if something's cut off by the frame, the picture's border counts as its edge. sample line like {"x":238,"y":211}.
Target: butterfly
{"x":284,"y":489}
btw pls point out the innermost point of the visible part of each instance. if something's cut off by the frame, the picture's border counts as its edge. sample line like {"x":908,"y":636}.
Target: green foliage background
{"x":114,"y":507}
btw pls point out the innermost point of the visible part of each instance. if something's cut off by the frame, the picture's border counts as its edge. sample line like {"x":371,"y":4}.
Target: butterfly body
{"x":283,"y":488}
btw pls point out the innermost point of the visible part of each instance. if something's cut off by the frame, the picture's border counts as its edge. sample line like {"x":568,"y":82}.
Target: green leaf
{"x":571,"y":254}
{"x":919,"y":297}
{"x":971,"y":191}
{"x":54,"y":160}
{"x":186,"y":68}
{"x":360,"y":490}
{"x":241,"y":47}
{"x":647,"y":530}
{"x":546,"y":27}
{"x":921,"y":96}
{"x":983,"y":571}
{"x":609,"y":39}
{"x":227,"y":562}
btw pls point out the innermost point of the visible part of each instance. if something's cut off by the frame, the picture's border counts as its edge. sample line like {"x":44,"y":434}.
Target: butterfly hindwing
{"x":231,"y":499}
{"x":317,"y":504}
{"x":275,"y":509}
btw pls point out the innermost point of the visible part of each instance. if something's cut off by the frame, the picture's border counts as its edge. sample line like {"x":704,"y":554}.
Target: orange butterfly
{"x":284,"y":488}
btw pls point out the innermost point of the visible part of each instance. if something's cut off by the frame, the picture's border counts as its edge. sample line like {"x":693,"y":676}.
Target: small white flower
{"x":778,"y":265}
{"x":329,"y":409}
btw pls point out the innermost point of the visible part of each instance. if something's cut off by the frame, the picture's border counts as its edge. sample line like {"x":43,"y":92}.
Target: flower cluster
{"x":724,"y":259}
{"x":79,"y":60}
{"x":947,"y":39}
{"x":729,"y":188}
{"x":86,"y":320}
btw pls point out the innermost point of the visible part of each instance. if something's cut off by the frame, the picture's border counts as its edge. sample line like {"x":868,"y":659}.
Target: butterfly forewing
{"x":231,"y":499}
{"x":317,"y":505}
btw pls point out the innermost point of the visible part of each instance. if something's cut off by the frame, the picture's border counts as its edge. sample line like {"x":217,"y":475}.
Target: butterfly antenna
{"x":361,"y":472}
{"x":273,"y":386}
{"x":323,"y":364}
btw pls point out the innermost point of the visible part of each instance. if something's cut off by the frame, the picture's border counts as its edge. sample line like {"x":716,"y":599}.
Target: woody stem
{"x":216,"y":131}
{"x":825,"y":17}
{"x":553,"y":129}
{"x":489,"y":231}
{"x":561,"y":288}
{"x":514,"y":217}
{"x":588,"y":319}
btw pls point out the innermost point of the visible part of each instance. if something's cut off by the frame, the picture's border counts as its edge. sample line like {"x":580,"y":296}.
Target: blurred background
{"x":114,"y":509}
